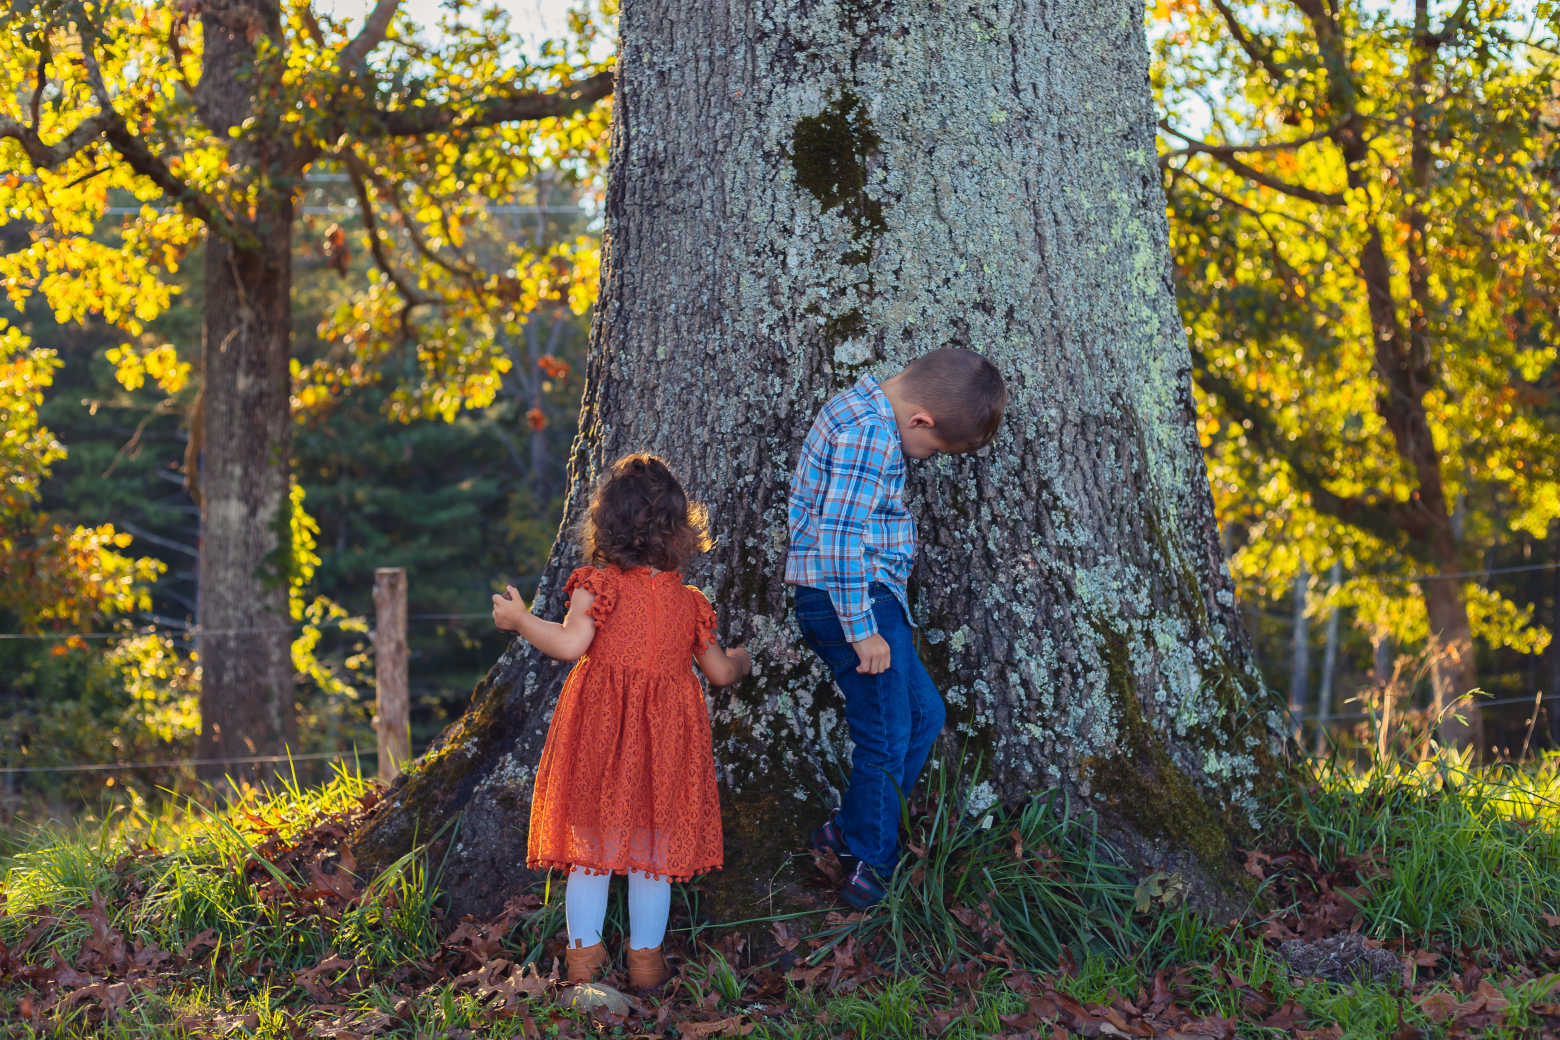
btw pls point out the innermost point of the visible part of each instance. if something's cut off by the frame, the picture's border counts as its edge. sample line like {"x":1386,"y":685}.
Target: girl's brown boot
{"x":584,"y":963}
{"x":647,"y":969}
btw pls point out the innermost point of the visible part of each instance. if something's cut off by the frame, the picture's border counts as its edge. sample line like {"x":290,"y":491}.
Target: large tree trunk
{"x":803,"y":192}
{"x":246,"y":700}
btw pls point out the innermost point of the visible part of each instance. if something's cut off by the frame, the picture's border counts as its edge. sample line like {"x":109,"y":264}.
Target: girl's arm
{"x":566,"y":641}
{"x":724,"y":667}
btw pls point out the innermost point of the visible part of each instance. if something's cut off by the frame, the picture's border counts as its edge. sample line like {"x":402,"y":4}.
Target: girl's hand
{"x":508,"y":608}
{"x":563,"y":642}
{"x":743,"y":660}
{"x":724,"y":667}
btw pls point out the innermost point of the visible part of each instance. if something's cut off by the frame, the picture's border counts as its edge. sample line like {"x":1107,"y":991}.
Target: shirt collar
{"x":871,"y":391}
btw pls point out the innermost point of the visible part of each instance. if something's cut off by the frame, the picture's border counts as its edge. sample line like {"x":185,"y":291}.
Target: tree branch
{"x":358,"y":175}
{"x":1259,"y":215}
{"x":46,"y":156}
{"x":1282,"y":267}
{"x":370,"y":36}
{"x":1232,"y":149}
{"x":1224,"y":154}
{"x":1321,"y":18}
{"x":1387,"y":519}
{"x":176,"y":29}
{"x":504,"y":108}
{"x":459,"y":267}
{"x":145,"y":162}
{"x":1248,"y":43}
{"x":311,"y":24}
{"x":43,"y":72}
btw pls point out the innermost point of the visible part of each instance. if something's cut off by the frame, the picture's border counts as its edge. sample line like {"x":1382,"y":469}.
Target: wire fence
{"x":186,"y":630}
{"x":172,"y":627}
{"x":195,"y":631}
{"x":1319,"y":718}
{"x":179,"y":763}
{"x":357,"y":753}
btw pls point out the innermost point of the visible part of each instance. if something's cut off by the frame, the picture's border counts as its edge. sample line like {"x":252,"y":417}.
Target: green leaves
{"x":121,"y":172}
{"x":1371,"y":369}
{"x":51,"y":575}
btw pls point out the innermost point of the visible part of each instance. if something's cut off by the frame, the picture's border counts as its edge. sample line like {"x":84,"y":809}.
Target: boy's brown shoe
{"x":647,"y":969}
{"x":584,"y":963}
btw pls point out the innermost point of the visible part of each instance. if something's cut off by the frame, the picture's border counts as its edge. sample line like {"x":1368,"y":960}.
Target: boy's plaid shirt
{"x":849,"y":526}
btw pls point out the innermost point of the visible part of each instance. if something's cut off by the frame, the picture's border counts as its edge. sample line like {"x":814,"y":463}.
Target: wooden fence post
{"x":392,"y":722}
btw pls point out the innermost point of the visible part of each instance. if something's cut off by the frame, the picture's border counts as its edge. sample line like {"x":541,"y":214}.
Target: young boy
{"x":852,"y":546}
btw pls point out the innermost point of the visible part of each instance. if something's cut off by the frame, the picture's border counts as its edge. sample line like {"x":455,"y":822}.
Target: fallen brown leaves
{"x":316,"y":879}
{"x":1449,"y":987}
{"x":1322,"y":903}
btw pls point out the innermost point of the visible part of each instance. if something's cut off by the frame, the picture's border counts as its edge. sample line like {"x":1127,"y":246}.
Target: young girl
{"x":626,"y":784}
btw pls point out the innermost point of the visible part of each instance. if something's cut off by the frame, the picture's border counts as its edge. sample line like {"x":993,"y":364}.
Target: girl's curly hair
{"x":640,"y":516}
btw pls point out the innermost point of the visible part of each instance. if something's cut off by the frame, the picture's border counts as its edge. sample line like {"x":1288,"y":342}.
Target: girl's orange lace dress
{"x":627,"y":777}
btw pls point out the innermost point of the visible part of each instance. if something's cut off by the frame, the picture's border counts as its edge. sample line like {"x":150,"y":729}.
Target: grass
{"x":197,"y":887}
{"x":1469,"y":857}
{"x":1022,"y":884}
{"x":1000,"y":917}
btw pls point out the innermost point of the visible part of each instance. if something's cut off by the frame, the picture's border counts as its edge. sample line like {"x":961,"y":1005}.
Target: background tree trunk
{"x":1452,"y":673}
{"x":804,"y":192}
{"x":1300,"y":657}
{"x":246,"y":700}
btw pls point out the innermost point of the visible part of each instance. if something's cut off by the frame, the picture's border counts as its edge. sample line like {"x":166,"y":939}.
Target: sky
{"x":537,"y":19}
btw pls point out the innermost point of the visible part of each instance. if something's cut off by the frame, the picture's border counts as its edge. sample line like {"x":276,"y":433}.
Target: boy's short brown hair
{"x":964,"y":393}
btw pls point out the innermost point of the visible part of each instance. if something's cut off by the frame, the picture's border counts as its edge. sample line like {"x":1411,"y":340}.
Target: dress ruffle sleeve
{"x":703,"y":620}
{"x":598,"y":583}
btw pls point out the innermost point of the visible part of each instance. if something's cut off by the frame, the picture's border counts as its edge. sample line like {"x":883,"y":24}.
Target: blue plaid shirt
{"x":849,"y":526}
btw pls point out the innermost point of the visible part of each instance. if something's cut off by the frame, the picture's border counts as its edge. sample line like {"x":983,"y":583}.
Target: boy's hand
{"x":873,"y":654}
{"x":507,"y":607}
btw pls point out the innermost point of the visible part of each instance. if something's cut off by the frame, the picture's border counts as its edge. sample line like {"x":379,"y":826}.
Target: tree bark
{"x":1452,"y":674}
{"x":1324,"y":692}
{"x":1452,"y":669}
{"x":805,"y":192}
{"x":246,"y":700}
{"x":1300,"y":658}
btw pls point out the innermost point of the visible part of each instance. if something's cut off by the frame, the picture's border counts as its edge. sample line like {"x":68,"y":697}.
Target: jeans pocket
{"x":821,"y":628}
{"x":823,"y":635}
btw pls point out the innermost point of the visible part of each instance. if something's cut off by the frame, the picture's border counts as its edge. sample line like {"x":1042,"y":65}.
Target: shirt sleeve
{"x":598,"y":583}
{"x":703,"y":620}
{"x":858,"y":458}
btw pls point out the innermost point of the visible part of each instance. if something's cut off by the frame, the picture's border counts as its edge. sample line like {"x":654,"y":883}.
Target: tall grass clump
{"x":393,"y":921}
{"x":1448,"y":853}
{"x":1022,"y":882}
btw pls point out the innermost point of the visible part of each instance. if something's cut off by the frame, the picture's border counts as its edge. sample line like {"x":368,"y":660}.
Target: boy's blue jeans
{"x":894,"y":719}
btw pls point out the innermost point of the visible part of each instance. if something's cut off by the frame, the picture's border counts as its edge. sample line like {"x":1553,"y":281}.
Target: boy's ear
{"x":922,"y":420}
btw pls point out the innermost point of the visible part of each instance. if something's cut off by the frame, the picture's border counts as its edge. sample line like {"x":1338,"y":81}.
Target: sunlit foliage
{"x":52,"y":575}
{"x":1363,"y":206}
{"x":431,"y":125}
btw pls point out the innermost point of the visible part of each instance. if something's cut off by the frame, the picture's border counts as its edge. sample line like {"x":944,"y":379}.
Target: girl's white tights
{"x":585,"y":906}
